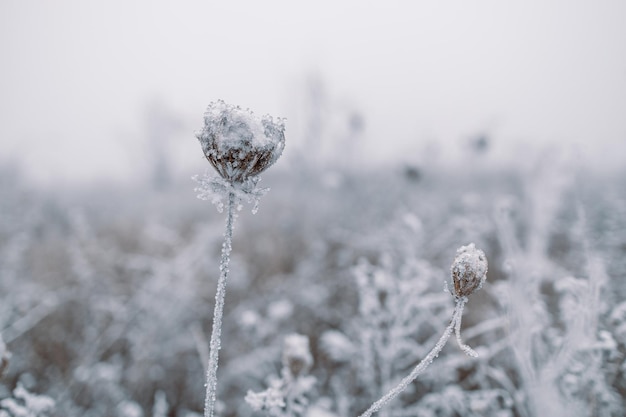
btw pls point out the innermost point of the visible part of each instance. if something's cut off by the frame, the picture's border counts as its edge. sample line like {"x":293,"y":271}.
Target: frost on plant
{"x":240,"y":146}
{"x":216,"y":190}
{"x":237,"y":143}
{"x":87,"y":292}
{"x":287,"y":396}
{"x":26,"y":404}
{"x":469,"y":270}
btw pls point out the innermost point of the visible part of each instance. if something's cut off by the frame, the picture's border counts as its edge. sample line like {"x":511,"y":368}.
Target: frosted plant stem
{"x":215,"y":344}
{"x":460,"y":304}
{"x":421,"y":367}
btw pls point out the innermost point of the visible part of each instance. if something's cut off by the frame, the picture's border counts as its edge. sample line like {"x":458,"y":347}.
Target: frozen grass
{"x":102,"y":295}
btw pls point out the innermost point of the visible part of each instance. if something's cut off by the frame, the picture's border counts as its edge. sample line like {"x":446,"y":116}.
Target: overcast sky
{"x":76,"y":77}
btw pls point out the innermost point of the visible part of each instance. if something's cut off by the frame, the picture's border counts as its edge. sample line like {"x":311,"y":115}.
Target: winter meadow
{"x":283,"y":269}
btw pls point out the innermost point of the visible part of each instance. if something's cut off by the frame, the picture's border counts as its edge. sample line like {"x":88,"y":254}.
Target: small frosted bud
{"x":239,"y":144}
{"x":469,"y":270}
{"x":296,"y":354}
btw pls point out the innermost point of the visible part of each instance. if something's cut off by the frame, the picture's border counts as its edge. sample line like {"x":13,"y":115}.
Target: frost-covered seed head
{"x":238,"y":143}
{"x":469,"y":270}
{"x":296,"y":355}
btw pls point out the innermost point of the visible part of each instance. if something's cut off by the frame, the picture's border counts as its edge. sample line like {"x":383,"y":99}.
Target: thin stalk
{"x":457,"y":329}
{"x":218,"y":312}
{"x":420,"y":367}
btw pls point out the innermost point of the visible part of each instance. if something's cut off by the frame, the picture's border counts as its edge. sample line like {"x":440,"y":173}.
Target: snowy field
{"x":108,"y":291}
{"x":442,"y":161}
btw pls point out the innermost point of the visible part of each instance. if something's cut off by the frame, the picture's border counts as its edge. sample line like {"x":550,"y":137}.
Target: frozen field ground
{"x":107,"y":294}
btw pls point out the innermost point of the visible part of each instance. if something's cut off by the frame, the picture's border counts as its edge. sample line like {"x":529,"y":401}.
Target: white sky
{"x":76,"y":76}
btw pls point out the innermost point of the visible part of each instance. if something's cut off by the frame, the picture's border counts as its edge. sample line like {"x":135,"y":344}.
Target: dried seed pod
{"x":469,"y":270}
{"x":237,"y":143}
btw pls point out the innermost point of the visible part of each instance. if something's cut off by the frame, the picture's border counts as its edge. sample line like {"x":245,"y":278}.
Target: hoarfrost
{"x":469,"y":270}
{"x":269,"y":399}
{"x":238,"y":144}
{"x":238,"y":127}
{"x":26,"y":404}
{"x":287,"y":396}
{"x":217,"y":190}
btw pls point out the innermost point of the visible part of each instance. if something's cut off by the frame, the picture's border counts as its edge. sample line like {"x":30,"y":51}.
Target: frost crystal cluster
{"x":287,"y":396}
{"x":26,"y":404}
{"x":239,"y":144}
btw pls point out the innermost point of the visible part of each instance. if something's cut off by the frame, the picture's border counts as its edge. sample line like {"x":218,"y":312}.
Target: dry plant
{"x":469,"y":272}
{"x":240,"y":146}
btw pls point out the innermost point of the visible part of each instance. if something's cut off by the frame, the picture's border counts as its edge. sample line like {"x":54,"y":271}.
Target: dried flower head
{"x":237,"y":143}
{"x":469,"y":270}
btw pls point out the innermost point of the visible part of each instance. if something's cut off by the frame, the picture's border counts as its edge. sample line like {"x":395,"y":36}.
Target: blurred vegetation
{"x":107,"y":291}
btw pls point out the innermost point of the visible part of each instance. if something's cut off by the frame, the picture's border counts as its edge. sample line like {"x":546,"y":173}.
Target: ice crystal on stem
{"x":469,"y":272}
{"x":216,"y":190}
{"x":240,"y":146}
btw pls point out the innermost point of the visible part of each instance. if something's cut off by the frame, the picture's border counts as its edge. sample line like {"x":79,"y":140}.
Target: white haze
{"x":77,"y":77}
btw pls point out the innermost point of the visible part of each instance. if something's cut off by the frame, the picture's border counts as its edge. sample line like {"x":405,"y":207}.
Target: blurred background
{"x":88,"y":87}
{"x":413,"y":128}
